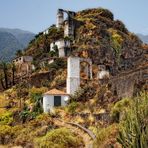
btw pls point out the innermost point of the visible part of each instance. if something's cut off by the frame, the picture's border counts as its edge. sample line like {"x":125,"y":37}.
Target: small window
{"x":57,"y":100}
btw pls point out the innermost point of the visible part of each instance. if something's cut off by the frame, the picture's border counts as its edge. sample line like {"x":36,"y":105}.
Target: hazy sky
{"x":37,"y":15}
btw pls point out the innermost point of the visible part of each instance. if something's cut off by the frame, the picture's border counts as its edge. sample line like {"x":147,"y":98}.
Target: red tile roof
{"x":55,"y":92}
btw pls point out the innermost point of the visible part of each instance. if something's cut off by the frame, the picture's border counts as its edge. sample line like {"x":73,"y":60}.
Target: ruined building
{"x":69,"y":31}
{"x":23,"y":65}
{"x":68,"y":24}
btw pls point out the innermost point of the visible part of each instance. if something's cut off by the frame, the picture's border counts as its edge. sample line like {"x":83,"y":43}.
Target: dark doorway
{"x":57,"y":100}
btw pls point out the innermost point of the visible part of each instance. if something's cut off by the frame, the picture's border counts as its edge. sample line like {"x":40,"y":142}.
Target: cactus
{"x":134,"y":129}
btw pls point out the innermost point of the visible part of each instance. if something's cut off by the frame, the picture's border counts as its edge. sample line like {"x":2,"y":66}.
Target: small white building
{"x":54,"y":98}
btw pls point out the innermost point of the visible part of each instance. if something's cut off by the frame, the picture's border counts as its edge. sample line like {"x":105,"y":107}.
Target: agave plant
{"x":134,"y":131}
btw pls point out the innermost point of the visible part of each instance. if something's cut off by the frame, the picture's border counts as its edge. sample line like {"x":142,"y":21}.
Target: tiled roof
{"x":55,"y":92}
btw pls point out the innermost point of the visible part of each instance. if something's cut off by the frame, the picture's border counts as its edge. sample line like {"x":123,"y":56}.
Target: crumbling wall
{"x":124,"y":84}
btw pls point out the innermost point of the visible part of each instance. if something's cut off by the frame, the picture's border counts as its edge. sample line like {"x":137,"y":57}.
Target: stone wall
{"x":38,"y":79}
{"x":124,"y":84}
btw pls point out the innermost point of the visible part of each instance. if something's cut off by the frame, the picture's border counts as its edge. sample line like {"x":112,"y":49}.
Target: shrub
{"x":24,"y":115}
{"x":59,"y":80}
{"x":42,"y":119}
{"x":72,"y":107}
{"x":116,"y":42}
{"x":57,"y":64}
{"x":6,"y":118}
{"x":83,"y":94}
{"x":116,"y":39}
{"x":35,"y":90}
{"x":25,"y":137}
{"x":119,"y":108}
{"x":5,"y":134}
{"x":61,"y":137}
{"x":36,"y":98}
{"x":118,"y":25}
{"x":106,"y":136}
{"x":134,"y":130}
{"x":99,"y":11}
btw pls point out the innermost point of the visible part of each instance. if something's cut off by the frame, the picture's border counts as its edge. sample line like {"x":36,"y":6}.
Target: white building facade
{"x":54,"y":98}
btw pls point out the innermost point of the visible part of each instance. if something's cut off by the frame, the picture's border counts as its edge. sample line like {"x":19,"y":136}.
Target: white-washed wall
{"x":48,"y":102}
{"x":73,"y":79}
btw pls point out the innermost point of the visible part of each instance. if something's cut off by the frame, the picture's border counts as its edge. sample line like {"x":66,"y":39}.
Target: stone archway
{"x":87,"y":67}
{"x":69,"y":23}
{"x":73,"y":73}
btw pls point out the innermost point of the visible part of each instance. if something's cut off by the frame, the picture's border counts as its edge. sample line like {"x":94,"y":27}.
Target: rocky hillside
{"x":12,"y":40}
{"x":102,"y":38}
{"x":95,"y":107}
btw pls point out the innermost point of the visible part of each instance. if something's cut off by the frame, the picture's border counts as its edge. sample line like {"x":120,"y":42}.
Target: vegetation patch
{"x":61,"y":137}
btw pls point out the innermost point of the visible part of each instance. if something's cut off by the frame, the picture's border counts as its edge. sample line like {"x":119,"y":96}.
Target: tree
{"x":13,"y":68}
{"x":4,"y":68}
{"x":19,"y":53}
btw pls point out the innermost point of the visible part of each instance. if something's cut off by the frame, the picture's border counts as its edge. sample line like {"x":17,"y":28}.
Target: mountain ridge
{"x":12,"y":40}
{"x":144,"y":38}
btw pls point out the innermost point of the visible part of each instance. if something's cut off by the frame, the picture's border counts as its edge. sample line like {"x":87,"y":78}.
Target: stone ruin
{"x":73,"y":73}
{"x":23,"y":65}
{"x":69,"y":31}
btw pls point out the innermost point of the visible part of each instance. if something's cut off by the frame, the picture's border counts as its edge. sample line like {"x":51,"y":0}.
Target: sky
{"x":37,"y":15}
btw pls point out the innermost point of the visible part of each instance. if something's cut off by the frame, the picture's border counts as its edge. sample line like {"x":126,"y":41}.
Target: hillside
{"x":106,"y":41}
{"x":37,"y":111}
{"x":8,"y":46}
{"x":12,"y":40}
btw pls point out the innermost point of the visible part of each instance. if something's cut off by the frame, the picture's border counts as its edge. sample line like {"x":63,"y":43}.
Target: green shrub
{"x":72,"y":107}
{"x":57,"y":64}
{"x":62,"y":138}
{"x":5,"y":134}
{"x":83,"y":94}
{"x":6,"y":118}
{"x":119,"y":108}
{"x":25,"y":137}
{"x":104,"y":136}
{"x":24,"y":115}
{"x":42,"y":119}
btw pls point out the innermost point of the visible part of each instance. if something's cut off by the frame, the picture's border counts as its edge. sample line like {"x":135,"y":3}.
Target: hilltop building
{"x":64,"y":46}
